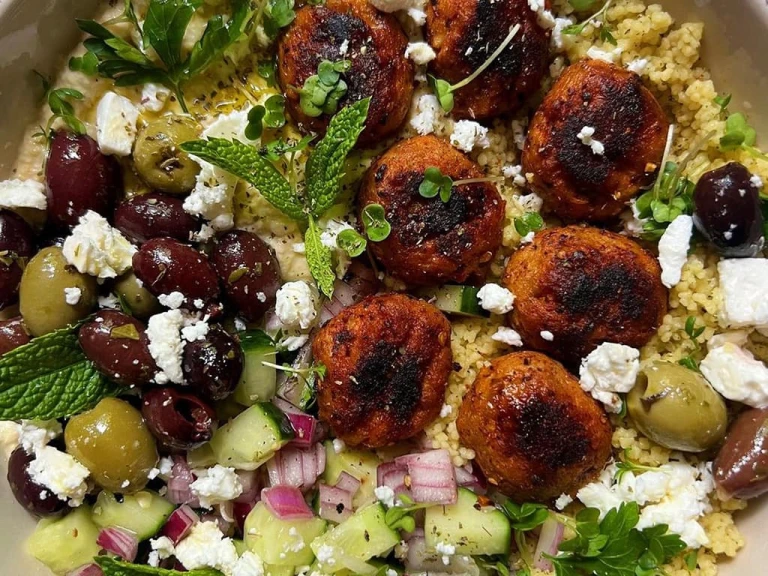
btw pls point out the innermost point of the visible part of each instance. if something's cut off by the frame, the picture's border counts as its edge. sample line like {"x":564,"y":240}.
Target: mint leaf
{"x":320,"y":259}
{"x":50,"y":378}
{"x":113,"y":567}
{"x":245,"y":162}
{"x":325,"y":167}
{"x":165,"y":25}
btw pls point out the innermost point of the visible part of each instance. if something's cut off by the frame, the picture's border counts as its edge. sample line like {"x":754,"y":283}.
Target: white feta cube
{"x":737,"y":375}
{"x":468,"y":135}
{"x":673,"y":249}
{"x":496,"y":299}
{"x":744,"y":287}
{"x":116,"y":118}
{"x":23,"y":194}
{"x":608,"y":370}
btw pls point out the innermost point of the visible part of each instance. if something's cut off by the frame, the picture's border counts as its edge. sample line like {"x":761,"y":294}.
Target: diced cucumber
{"x":361,"y":464}
{"x":352,"y":543}
{"x":143,"y":513}
{"x":258,"y":383}
{"x":459,"y":300}
{"x":252,"y":438}
{"x":279,"y":570}
{"x":64,"y":544}
{"x":281,"y":542}
{"x":472,"y":530}
{"x":201,"y":457}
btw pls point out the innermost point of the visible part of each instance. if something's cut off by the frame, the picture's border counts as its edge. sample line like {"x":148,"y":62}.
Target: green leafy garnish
{"x":723,"y":102}
{"x":320,"y":259}
{"x":400,"y":516}
{"x":271,"y":115}
{"x":113,"y":567}
{"x":529,"y":222}
{"x":50,"y":378}
{"x":525,"y":517}
{"x":583,"y":5}
{"x":691,"y":330}
{"x":375,"y":223}
{"x":267,"y":69}
{"x":626,"y":466}
{"x":277,"y":15}
{"x":316,"y":370}
{"x":436,"y":183}
{"x":739,"y":134}
{"x":692,"y":560}
{"x":598,"y":19}
{"x":444,"y":90}
{"x":58,"y":100}
{"x":492,"y":564}
{"x":164,"y":29}
{"x":322,"y":92}
{"x":693,"y":333}
{"x":352,"y":242}
{"x":274,"y":150}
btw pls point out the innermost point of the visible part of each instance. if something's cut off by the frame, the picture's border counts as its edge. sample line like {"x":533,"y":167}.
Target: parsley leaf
{"x":58,"y":100}
{"x":525,"y":517}
{"x":597,"y":19}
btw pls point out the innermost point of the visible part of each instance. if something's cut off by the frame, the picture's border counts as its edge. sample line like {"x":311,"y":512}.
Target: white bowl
{"x":36,"y":34}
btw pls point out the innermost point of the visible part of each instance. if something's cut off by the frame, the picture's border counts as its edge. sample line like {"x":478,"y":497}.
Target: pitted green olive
{"x":140,"y":300}
{"x":677,"y":408}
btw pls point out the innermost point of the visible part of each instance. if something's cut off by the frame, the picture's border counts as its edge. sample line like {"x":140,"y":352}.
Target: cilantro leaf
{"x":320,"y":259}
{"x":113,"y":567}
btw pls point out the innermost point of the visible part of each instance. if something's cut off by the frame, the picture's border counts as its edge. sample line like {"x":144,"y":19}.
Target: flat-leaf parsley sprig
{"x":322,"y":182}
{"x":524,"y":518}
{"x":59,"y":101}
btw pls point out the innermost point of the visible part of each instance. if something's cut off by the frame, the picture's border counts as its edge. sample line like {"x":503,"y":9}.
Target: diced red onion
{"x":179,"y":491}
{"x":87,"y":570}
{"x":240,"y":511}
{"x":297,"y":467}
{"x":304,"y":429}
{"x":393,"y":475}
{"x":348,"y":483}
{"x":465,"y":479}
{"x":359,"y":281}
{"x":286,"y":503}
{"x":249,"y":479}
{"x":335,"y":503}
{"x":179,"y":523}
{"x":432,"y":477}
{"x":551,"y":535}
{"x":119,"y":541}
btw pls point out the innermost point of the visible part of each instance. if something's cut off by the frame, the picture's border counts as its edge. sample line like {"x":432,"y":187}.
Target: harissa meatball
{"x":388,"y":359}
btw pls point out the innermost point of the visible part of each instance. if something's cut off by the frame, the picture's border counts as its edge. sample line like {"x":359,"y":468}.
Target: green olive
{"x":140,"y":300}
{"x":677,"y":408}
{"x":114,"y":443}
{"x":160,"y":161}
{"x":42,"y":296}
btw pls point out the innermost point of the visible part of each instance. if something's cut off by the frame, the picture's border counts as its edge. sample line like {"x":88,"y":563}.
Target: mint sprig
{"x":113,"y":567}
{"x":50,"y":378}
{"x":320,"y":259}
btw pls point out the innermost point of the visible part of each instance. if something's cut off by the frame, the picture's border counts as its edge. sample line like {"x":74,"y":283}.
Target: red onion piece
{"x":392,"y":475}
{"x":432,"y":477}
{"x":179,"y":523}
{"x":179,"y":491}
{"x":87,"y":570}
{"x":304,"y":429}
{"x":240,"y":510}
{"x":286,"y":503}
{"x":297,"y":467}
{"x":465,"y":479}
{"x":251,"y":486}
{"x":335,"y":503}
{"x":348,"y":483}
{"x":119,"y":541}
{"x":549,"y":540}
{"x":359,"y":282}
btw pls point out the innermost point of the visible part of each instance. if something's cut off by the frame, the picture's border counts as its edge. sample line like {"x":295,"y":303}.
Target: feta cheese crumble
{"x":414,"y":8}
{"x":673,"y":249}
{"x":736,"y":374}
{"x":61,"y":474}
{"x":496,"y":299}
{"x":173,"y":300}
{"x":34,"y":435}
{"x":446,"y":551}
{"x":296,"y":305}
{"x":249,"y":564}
{"x":216,"y":485}
{"x":563,"y":501}
{"x":420,"y":52}
{"x":507,"y":336}
{"x":325,"y":555}
{"x":197,"y":330}
{"x":385,"y":495}
{"x":166,"y":345}
{"x":426,"y":115}
{"x":608,"y":56}
{"x":608,"y":370}
{"x":515,"y":173}
{"x":468,"y":135}
{"x":638,"y":65}
{"x":585,"y":136}
{"x":154,"y":97}
{"x":744,"y":286}
{"x":339,"y":445}
{"x":98,"y":249}
{"x":756,"y":181}
{"x":72,"y":295}
{"x":547,"y":335}
{"x":162,"y":548}
{"x":23,"y":194}
{"x":206,"y":547}
{"x":116,"y":118}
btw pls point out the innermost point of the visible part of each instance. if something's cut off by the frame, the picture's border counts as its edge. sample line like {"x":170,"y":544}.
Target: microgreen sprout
{"x":352,"y":242}
{"x":739,"y":134}
{"x":444,"y":90}
{"x":58,"y":100}
{"x":277,"y":14}
{"x":626,"y":466}
{"x":436,"y":183}
{"x":400,"y":516}
{"x":597,"y":19}
{"x":322,"y":92}
{"x":529,"y":222}
{"x":267,"y":69}
{"x":375,"y":223}
{"x":270,"y":115}
{"x":305,"y":374}
{"x":693,"y":333}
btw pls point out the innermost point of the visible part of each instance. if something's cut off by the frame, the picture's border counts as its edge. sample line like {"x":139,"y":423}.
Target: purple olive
{"x":79,"y":178}
{"x":13,"y":334}
{"x":154,"y":216}
{"x":741,"y":467}
{"x":16,"y":241}
{"x":727,"y":211}
{"x":118,"y":346}
{"x":165,"y":265}
{"x":213,"y":366}
{"x":248,"y":271}
{"x":34,"y":497}
{"x":178,"y":420}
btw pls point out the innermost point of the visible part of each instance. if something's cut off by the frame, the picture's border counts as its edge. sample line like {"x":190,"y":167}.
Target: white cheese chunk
{"x":737,"y":375}
{"x":154,"y":97}
{"x":385,"y":495}
{"x":166,"y":345}
{"x":206,"y":547}
{"x":296,"y":305}
{"x":609,"y":56}
{"x":197,"y":330}
{"x":585,"y":136}
{"x":34,"y":435}
{"x":72,"y":295}
{"x":468,"y":135}
{"x":23,"y":194}
{"x":212,"y":199}
{"x":507,"y":336}
{"x":427,"y":114}
{"x":97,"y":249}
{"x":547,"y":335}
{"x":61,"y":474}
{"x":744,"y":286}
{"x":496,"y":299}
{"x":216,"y":485}
{"x":515,"y":173}
{"x":673,"y":249}
{"x":638,"y":65}
{"x":420,"y":52}
{"x":116,"y":118}
{"x":414,"y":8}
{"x":173,"y":300}
{"x":249,"y":564}
{"x":610,"y":369}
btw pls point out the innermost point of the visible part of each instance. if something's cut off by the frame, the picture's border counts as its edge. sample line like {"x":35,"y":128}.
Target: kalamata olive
{"x":34,"y":497}
{"x":13,"y":334}
{"x":179,"y":421}
{"x":114,"y":443}
{"x":158,"y":158}
{"x":154,"y":216}
{"x":118,"y":346}
{"x":165,"y":265}
{"x":741,"y":466}
{"x":79,"y":178}
{"x":16,"y":242}
{"x":727,"y":211}
{"x":248,"y":271}
{"x":142,"y":302}
{"x":213,"y":366}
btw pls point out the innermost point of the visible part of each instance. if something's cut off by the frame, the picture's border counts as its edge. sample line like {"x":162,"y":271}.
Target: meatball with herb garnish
{"x":535,"y":432}
{"x":387,"y":359}
{"x":341,"y":52}
{"x":595,"y":141}
{"x":466,"y":33}
{"x":446,"y":232}
{"x":578,"y":287}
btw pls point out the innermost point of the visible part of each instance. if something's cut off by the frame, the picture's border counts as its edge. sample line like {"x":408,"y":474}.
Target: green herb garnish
{"x":352,"y":242}
{"x":267,"y":69}
{"x":524,"y":518}
{"x":322,"y":92}
{"x":723,"y":102}
{"x":436,"y":183}
{"x":319,"y":258}
{"x":274,"y":150}
{"x":693,"y":333}
{"x":277,"y":14}
{"x":529,"y":222}
{"x":626,"y":466}
{"x":444,"y":90}
{"x":597,"y":19}
{"x":114,"y":567}
{"x":375,"y":223}
{"x":271,"y":115}
{"x":400,"y":516}
{"x":583,"y":5}
{"x":692,"y":560}
{"x":58,"y":100}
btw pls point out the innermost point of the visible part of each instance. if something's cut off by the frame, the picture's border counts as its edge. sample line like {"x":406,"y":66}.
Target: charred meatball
{"x":388,"y":359}
{"x":376,"y":47}
{"x":578,"y":287}
{"x":464,"y":34}
{"x":433,"y":242}
{"x":535,"y":432}
{"x":595,"y":141}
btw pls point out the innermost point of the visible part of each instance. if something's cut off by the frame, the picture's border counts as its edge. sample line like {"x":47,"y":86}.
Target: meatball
{"x":535,"y":432}
{"x":578,"y":287}
{"x":375,"y":45}
{"x":585,"y":175}
{"x":464,"y":34}
{"x":433,"y":242}
{"x":388,"y":359}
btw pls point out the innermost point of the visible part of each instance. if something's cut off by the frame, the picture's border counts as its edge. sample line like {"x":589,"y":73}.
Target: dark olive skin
{"x":35,"y":498}
{"x":213,"y":366}
{"x":16,"y":241}
{"x":79,"y":178}
{"x":165,"y":265}
{"x":741,"y":466}
{"x":13,"y":334}
{"x":249,"y":272}
{"x":179,"y":421}
{"x":118,"y":346}
{"x":155,"y":215}
{"x":727,"y":211}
